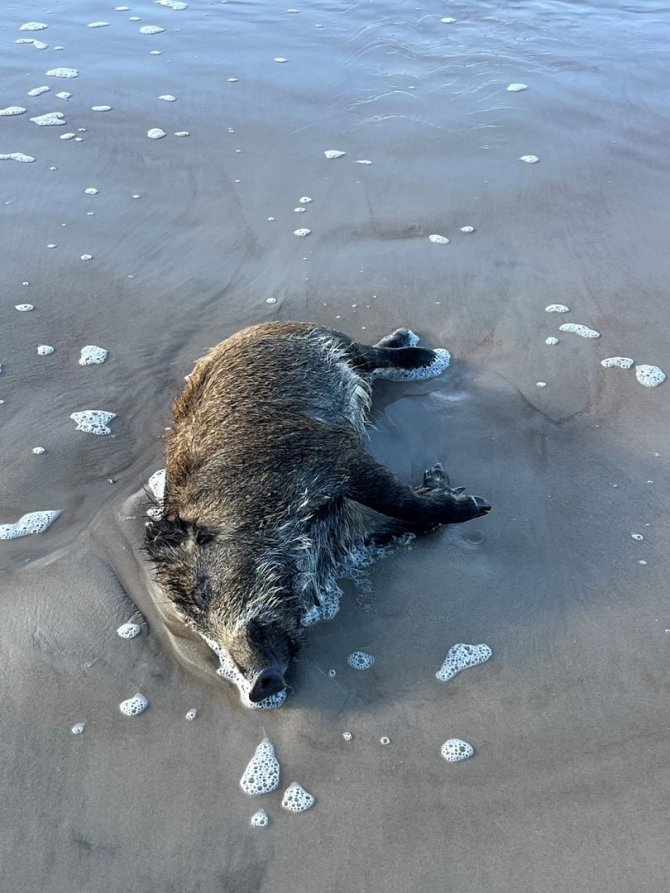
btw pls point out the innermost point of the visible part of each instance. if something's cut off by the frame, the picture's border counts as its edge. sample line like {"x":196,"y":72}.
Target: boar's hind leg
{"x":421,"y":508}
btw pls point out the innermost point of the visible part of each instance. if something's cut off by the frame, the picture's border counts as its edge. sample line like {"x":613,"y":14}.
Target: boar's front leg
{"x":433,"y":503}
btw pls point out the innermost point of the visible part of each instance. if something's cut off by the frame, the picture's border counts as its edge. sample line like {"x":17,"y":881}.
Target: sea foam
{"x":262,"y":773}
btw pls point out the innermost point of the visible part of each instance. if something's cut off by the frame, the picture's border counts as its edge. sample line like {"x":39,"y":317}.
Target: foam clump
{"x":516,"y":88}
{"x":557,"y":308}
{"x":78,"y":728}
{"x":128,"y":630}
{"x":50,"y":119}
{"x":578,"y":329}
{"x":259,"y":819}
{"x":151,"y":29}
{"x":156,"y":133}
{"x":24,"y":308}
{"x":296,"y":798}
{"x":619,"y":362}
{"x":156,"y":484}
{"x":551,"y":340}
{"x":191,"y":714}
{"x":360,"y":660}
{"x":101,"y":108}
{"x":529,"y":159}
{"x":64,"y":95}
{"x":649,"y":376}
{"x":168,"y":97}
{"x":438,"y":239}
{"x":172,"y":4}
{"x":454,"y":750}
{"x":467,"y":229}
{"x":460,"y":657}
{"x":98,"y":24}
{"x":45,"y":349}
{"x":262,"y":773}
{"x":16,"y":156}
{"x":93,"y":421}
{"x":302,"y":232}
{"x":135,"y":705}
{"x":334,"y":153}
{"x":33,"y":26}
{"x":37,"y":91}
{"x":33,"y":522}
{"x":92,"y":355}
{"x":12,"y":110}
{"x":63,"y":73}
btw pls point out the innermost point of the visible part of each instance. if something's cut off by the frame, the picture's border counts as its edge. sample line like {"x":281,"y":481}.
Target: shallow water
{"x":566,"y":788}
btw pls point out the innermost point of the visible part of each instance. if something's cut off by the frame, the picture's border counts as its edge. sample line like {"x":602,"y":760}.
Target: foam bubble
{"x":33,"y":26}
{"x":191,"y":714}
{"x":454,"y":750}
{"x":101,"y":108}
{"x":172,"y":4}
{"x":98,"y":24}
{"x":296,"y":798}
{"x":92,"y":355}
{"x":37,"y":91}
{"x":360,"y":660}
{"x":556,"y":308}
{"x":38,"y":44}
{"x":516,"y":88}
{"x":67,"y":136}
{"x":233,"y":80}
{"x":577,"y":329}
{"x":649,"y":376}
{"x":38,"y":451}
{"x":151,"y":29}
{"x":86,"y":257}
{"x":305,"y":200}
{"x":45,"y":349}
{"x":93,"y":421}
{"x":439,"y":240}
{"x":347,"y":736}
{"x":64,"y":95}
{"x":529,"y":159}
{"x":135,"y":705}
{"x":12,"y":110}
{"x":50,"y":119}
{"x":182,"y":133}
{"x":262,"y":773}
{"x":156,"y":133}
{"x":620,"y":362}
{"x":259,"y":819}
{"x":128,"y":630}
{"x":334,"y":153}
{"x":24,"y":308}
{"x":302,"y":232}
{"x":437,"y":367}
{"x":328,"y":607}
{"x":637,"y":536}
{"x":63,"y":73}
{"x":447,"y":21}
{"x":551,"y":340}
{"x":299,"y":210}
{"x":540,"y":384}
{"x":365,"y":161}
{"x":460,"y":657}
{"x":33,"y":522}
{"x":91,"y":190}
{"x":16,"y":156}
{"x":384,"y":740}
{"x":279,"y":59}
{"x":467,"y":229}
{"x":78,"y":728}
{"x":168,"y":97}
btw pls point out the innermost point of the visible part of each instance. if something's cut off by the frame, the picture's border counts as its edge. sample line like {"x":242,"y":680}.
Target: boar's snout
{"x":269,"y":681}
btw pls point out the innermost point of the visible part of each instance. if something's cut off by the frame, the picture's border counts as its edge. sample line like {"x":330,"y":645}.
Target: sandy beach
{"x":157,"y":248}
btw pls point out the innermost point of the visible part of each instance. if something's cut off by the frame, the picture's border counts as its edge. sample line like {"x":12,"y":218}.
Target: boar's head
{"x":234,"y":592}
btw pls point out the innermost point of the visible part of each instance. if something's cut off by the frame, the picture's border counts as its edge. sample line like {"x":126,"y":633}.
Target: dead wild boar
{"x":268,"y":488}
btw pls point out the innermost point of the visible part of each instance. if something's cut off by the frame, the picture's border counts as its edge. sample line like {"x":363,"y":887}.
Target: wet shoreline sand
{"x":566,"y":790}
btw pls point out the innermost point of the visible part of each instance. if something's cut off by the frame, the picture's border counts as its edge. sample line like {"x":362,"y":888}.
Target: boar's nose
{"x":268,"y":682}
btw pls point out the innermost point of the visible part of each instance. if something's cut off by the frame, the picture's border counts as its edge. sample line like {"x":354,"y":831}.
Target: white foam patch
{"x":24,"y":308}
{"x":454,"y":750}
{"x":447,"y":20}
{"x":98,"y":24}
{"x":177,"y":5}
{"x":262,"y":773}
{"x":365,"y":161}
{"x":259,"y":819}
{"x":347,"y":736}
{"x":556,"y":308}
{"x":45,"y":349}
{"x":168,"y":97}
{"x":279,"y":59}
{"x":67,"y":136}
{"x":578,"y":329}
{"x":299,"y":210}
{"x":191,"y":714}
{"x":86,"y":257}
{"x":305,"y":200}
{"x":649,"y":376}
{"x":156,"y":484}
{"x":540,"y":384}
{"x":33,"y":26}
{"x":64,"y":95}
{"x":360,"y":660}
{"x":328,"y":607}
{"x":151,"y":29}
{"x":467,"y":229}
{"x":334,"y":153}
{"x":128,"y":630}
{"x":135,"y":705}
{"x":38,"y":451}
{"x":38,"y":44}
{"x":37,"y":91}
{"x":516,"y":88}
{"x":460,"y":657}
{"x":91,"y":190}
{"x":302,"y":232}
{"x":529,"y":159}
{"x":78,"y":728}
{"x":101,"y":108}
{"x":50,"y":119}
{"x":182,"y":133}
{"x":63,"y":73}
{"x":12,"y":110}
{"x":619,"y":362}
{"x":27,"y":525}
{"x":155,"y":133}
{"x":296,"y":798}
{"x":437,"y":367}
{"x":437,"y":239}
{"x":16,"y":156}
{"x":93,"y":421}
{"x":92,"y":355}
{"x":551,"y":340}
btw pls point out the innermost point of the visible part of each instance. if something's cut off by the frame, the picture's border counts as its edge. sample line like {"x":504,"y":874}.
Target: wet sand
{"x":568,"y":787}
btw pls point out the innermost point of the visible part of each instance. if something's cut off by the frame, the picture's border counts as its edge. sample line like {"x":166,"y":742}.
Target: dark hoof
{"x":483,"y":507}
